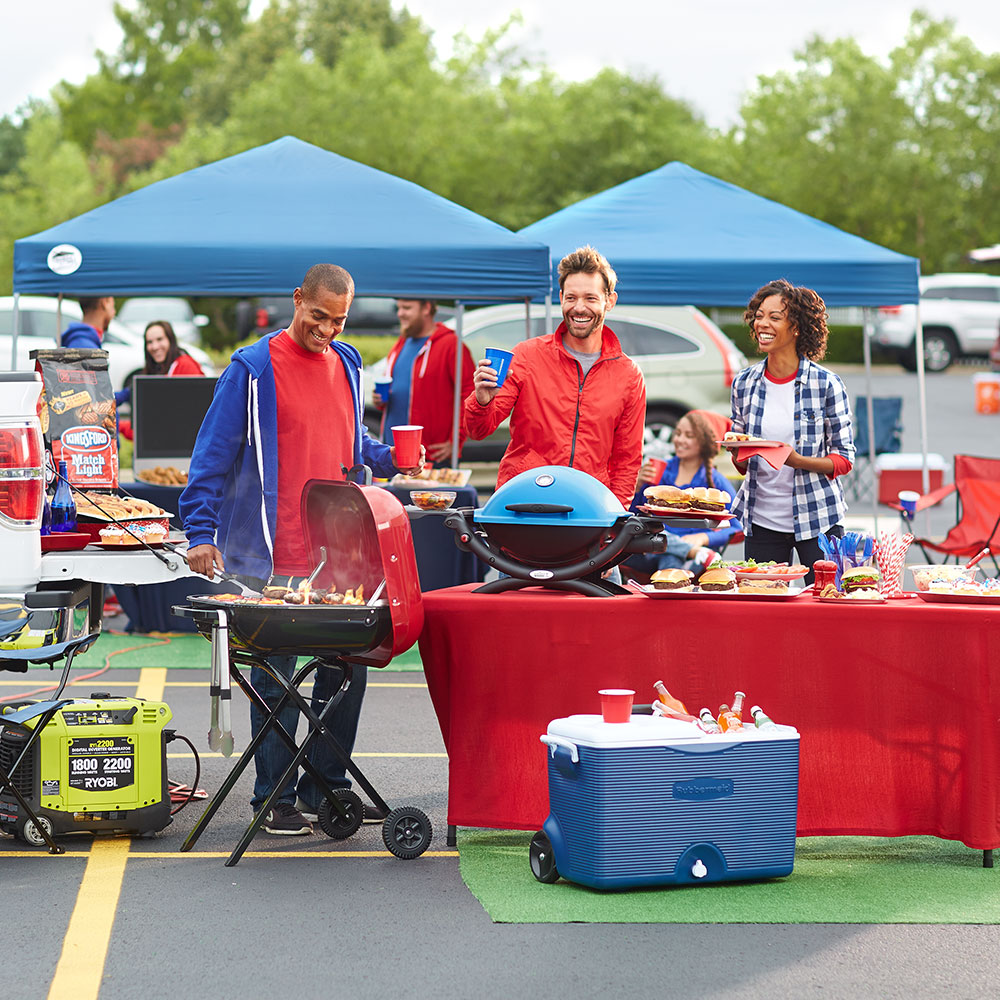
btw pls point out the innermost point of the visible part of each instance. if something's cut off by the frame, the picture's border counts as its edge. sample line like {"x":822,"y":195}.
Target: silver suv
{"x":960,"y":315}
{"x":688,"y":363}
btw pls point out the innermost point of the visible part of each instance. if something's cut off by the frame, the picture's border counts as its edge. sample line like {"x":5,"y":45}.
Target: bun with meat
{"x":672,"y":579}
{"x":860,"y":578}
{"x":703,"y":498}
{"x":717,"y":579}
{"x":772,"y":587}
{"x":671,"y":497}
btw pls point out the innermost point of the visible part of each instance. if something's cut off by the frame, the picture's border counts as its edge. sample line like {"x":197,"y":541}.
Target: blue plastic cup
{"x":499,"y":362}
{"x":383,"y":386}
{"x":908,"y":501}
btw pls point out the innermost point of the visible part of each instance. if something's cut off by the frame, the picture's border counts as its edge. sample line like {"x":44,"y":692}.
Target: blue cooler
{"x":656,"y":801}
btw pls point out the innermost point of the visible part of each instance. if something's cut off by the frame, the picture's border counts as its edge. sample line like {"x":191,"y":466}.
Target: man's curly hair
{"x":806,"y":312}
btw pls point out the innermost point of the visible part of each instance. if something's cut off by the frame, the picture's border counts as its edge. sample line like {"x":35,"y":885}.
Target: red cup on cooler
{"x":616,"y":704}
{"x":406,"y":438}
{"x":659,"y":467}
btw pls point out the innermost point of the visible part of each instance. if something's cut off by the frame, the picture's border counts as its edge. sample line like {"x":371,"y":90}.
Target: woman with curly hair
{"x":788,"y":397}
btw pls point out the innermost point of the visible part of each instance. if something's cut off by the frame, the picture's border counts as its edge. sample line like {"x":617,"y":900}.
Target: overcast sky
{"x":707,"y":52}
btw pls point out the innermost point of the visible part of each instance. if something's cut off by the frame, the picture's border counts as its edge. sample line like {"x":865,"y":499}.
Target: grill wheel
{"x":406,"y":831}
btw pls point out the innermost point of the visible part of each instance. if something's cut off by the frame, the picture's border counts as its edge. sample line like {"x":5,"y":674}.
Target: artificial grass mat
{"x":842,"y":880}
{"x":176,"y":650}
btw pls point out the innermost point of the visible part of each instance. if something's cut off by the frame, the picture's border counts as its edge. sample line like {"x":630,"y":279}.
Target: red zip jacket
{"x":560,"y":417}
{"x":432,"y":385}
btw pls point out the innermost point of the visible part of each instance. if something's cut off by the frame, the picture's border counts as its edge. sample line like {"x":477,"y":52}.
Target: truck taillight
{"x":22,"y":480}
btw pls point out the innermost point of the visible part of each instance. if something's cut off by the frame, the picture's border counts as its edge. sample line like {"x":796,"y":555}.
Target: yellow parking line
{"x":151,"y":683}
{"x":81,"y":964}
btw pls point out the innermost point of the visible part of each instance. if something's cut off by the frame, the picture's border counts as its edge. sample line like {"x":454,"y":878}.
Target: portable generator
{"x":98,"y":764}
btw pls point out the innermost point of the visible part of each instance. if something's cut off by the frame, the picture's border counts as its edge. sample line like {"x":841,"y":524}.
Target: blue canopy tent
{"x":678,"y":236}
{"x":252,"y":224}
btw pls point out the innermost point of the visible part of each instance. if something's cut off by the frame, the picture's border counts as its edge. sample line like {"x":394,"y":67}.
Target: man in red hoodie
{"x":574,"y":397}
{"x":421,"y":365}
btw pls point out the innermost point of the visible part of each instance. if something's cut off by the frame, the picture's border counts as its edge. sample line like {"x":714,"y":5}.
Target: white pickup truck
{"x":49,"y":601}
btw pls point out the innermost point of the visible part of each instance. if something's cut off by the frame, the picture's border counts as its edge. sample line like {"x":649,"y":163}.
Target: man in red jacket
{"x":574,"y":397}
{"x":421,"y":365}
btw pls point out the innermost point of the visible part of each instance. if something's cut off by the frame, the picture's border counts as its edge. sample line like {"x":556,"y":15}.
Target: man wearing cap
{"x":574,"y":397}
{"x":421,"y":365}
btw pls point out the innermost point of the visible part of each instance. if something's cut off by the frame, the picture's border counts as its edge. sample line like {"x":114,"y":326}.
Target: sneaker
{"x":307,"y":811}
{"x":374,"y":814}
{"x":284,"y":820}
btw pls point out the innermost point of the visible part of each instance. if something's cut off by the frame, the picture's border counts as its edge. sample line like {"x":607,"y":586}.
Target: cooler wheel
{"x":27,"y":831}
{"x":341,"y":827}
{"x":407,"y":832}
{"x":542,"y":859}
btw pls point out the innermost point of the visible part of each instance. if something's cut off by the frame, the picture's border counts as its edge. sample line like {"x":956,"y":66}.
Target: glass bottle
{"x":760,"y":720}
{"x":63,"y":505}
{"x":737,"y":706}
{"x":46,"y":516}
{"x":707,"y":722}
{"x":669,"y":700}
{"x":728,"y":720}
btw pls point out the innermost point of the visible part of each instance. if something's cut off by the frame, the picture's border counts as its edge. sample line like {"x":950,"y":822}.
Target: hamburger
{"x":773,"y":587}
{"x":672,"y":579}
{"x":703,"y":498}
{"x":671,"y":497}
{"x":735,"y":436}
{"x":717,"y":579}
{"x":860,"y":578}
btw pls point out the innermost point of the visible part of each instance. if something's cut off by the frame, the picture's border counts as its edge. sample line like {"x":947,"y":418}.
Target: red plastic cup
{"x":406,"y":438}
{"x":659,"y":467}
{"x":616,"y":704}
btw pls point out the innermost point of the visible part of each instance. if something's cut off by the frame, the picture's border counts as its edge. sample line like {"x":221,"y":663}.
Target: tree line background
{"x":903,"y":150}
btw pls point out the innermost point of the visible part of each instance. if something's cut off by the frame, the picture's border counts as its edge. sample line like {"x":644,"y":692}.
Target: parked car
{"x":369,"y":314}
{"x":39,"y":327}
{"x":138,"y":313}
{"x":687,"y":361}
{"x":959,"y":313}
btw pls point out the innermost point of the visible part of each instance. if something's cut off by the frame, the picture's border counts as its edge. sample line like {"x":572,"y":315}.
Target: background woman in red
{"x":163,"y":356}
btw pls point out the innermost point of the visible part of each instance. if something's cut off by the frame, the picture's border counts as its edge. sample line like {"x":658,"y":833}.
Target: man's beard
{"x":582,"y":334}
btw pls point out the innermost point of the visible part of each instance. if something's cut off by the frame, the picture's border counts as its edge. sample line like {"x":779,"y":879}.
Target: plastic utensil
{"x":982,"y":554}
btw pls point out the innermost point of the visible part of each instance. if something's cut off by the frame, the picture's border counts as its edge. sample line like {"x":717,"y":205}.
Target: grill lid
{"x":552,"y":495}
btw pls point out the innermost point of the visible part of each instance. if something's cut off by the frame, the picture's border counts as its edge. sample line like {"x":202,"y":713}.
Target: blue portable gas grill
{"x":554,"y":527}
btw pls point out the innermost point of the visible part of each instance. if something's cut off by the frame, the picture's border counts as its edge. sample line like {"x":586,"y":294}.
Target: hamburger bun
{"x":717,"y":579}
{"x":667,"y":496}
{"x":763,"y":587}
{"x":672,"y":579}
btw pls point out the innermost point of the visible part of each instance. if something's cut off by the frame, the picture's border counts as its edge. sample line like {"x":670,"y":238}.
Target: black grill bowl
{"x":545,"y":544}
{"x":302,"y":629}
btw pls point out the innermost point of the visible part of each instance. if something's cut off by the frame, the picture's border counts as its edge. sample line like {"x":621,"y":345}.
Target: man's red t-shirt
{"x":315,"y":439}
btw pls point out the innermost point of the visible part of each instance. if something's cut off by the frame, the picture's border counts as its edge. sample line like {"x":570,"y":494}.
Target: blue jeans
{"x":273,"y":756}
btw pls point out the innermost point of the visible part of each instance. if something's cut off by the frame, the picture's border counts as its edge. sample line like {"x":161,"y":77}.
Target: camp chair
{"x":887,"y":412}
{"x":977,"y":511}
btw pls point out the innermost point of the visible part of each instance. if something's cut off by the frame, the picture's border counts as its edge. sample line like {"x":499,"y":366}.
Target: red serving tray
{"x":65,"y":541}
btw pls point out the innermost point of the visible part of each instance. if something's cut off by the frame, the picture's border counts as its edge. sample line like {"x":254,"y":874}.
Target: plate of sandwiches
{"x":714,"y":582}
{"x":734,"y":439}
{"x":698,"y":502}
{"x":768,"y":571}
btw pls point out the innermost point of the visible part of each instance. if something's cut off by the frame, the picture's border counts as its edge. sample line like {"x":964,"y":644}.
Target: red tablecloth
{"x":898,"y":705}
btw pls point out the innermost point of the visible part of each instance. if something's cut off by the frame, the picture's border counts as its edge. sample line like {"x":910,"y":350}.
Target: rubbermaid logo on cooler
{"x":86,"y":438}
{"x":703,"y":788}
{"x":64,"y":259}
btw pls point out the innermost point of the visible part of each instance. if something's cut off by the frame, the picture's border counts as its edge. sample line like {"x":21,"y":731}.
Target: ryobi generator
{"x":97,"y":764}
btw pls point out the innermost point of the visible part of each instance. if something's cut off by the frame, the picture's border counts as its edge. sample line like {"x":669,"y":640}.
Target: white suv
{"x":960,"y":315}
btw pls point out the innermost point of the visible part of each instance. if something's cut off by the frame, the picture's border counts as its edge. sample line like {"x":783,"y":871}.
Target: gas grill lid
{"x":552,"y":495}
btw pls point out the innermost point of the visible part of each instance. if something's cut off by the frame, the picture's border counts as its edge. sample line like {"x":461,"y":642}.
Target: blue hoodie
{"x":231,"y":499}
{"x":79,"y":334}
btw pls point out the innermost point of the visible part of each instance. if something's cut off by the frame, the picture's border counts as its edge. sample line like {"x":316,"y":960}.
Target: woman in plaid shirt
{"x":789,"y":397}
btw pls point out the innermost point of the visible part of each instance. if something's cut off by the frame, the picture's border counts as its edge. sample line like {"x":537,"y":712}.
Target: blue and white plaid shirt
{"x":822,"y":427}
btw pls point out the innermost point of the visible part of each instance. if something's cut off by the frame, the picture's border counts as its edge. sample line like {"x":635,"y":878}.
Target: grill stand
{"x":211,"y":621}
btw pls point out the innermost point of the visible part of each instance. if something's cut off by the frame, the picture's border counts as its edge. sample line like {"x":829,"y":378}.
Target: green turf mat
{"x":849,"y":880}
{"x":176,"y":650}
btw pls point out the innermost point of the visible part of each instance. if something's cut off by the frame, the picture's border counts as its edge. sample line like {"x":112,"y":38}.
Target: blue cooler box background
{"x":656,"y":801}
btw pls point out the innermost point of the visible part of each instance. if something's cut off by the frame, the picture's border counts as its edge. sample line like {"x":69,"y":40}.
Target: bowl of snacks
{"x":432,"y":499}
{"x":942,"y":577}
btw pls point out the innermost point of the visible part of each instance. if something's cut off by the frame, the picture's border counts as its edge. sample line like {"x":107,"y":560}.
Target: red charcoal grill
{"x":366,"y":534}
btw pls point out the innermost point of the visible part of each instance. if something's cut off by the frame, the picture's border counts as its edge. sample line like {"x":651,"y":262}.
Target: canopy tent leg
{"x":456,"y":413}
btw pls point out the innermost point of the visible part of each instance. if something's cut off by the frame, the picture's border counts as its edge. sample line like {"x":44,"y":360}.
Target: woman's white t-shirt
{"x":773,"y":499}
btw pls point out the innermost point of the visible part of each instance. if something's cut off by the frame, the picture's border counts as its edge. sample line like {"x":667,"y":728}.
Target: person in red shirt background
{"x":421,"y":365}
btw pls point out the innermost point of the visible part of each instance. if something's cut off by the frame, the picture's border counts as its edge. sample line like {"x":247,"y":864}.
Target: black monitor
{"x":166,"y":415}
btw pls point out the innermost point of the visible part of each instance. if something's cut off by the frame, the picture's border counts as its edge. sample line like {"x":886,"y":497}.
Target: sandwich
{"x":860,"y":578}
{"x":773,"y":587}
{"x":671,"y":497}
{"x":735,"y":436}
{"x":672,"y":579}
{"x":703,"y":498}
{"x":717,"y":579}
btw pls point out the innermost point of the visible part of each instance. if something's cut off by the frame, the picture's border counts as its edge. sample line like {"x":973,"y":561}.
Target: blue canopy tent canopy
{"x":677,"y":236}
{"x":253,"y":224}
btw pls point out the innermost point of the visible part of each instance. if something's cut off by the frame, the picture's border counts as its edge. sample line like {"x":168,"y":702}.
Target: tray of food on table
{"x":716,"y":581}
{"x":694,"y":502}
{"x":750,"y":569}
{"x":114,"y":521}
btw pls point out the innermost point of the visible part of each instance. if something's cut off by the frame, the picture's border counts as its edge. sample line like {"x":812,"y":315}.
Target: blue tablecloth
{"x":440,"y":563}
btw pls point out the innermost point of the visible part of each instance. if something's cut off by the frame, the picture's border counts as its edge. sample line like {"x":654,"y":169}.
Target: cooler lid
{"x":650,"y":731}
{"x":550,"y":495}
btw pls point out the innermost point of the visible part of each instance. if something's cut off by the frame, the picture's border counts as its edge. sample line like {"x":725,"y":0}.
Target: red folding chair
{"x":977,"y":511}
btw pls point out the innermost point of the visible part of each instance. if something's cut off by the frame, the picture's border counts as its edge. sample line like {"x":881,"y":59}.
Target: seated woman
{"x":163,"y":357}
{"x":694,"y":449}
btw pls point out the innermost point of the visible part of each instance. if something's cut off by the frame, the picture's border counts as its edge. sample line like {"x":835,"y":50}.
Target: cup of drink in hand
{"x":383,"y":387}
{"x":406,"y":438}
{"x":658,"y":467}
{"x":499,"y":362}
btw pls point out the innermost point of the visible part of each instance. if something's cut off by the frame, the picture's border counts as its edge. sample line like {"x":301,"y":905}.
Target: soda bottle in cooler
{"x":760,"y":720}
{"x":707,"y":722}
{"x":666,"y":698}
{"x":729,"y":721}
{"x":737,"y":706}
{"x":63,"y":504}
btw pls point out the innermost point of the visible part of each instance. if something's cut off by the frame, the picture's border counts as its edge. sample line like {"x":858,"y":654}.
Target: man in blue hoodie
{"x":287,"y":409}
{"x":98,"y":312}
